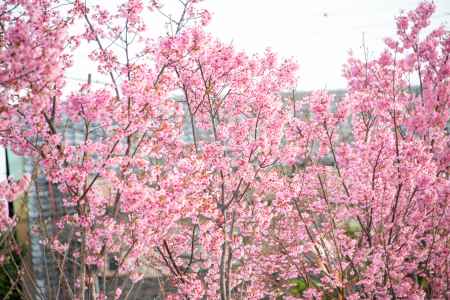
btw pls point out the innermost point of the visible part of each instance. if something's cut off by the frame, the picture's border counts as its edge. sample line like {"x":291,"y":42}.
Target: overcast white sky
{"x":318,"y":34}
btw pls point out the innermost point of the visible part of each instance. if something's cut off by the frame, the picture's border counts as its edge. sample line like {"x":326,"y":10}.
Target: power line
{"x":84,"y":80}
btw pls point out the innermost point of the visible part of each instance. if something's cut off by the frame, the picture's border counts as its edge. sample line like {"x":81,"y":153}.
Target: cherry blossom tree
{"x":374,"y":224}
{"x":193,"y":164}
{"x":131,"y":187}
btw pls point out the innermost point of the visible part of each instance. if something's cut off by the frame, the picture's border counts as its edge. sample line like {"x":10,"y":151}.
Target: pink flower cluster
{"x":9,"y":191}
